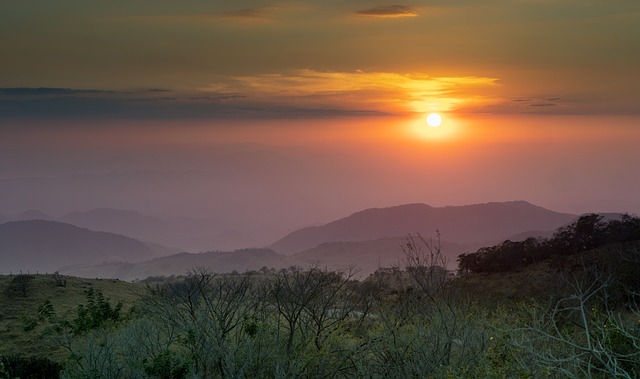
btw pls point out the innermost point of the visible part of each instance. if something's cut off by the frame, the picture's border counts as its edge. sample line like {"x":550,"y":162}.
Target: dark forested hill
{"x":588,"y":232}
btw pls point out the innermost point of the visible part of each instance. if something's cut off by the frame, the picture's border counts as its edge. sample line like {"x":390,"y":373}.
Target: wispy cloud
{"x":301,"y":93}
{"x":46,"y":91}
{"x":528,"y":102}
{"x":247,"y":13}
{"x":233,"y":15}
{"x":531,"y":105}
{"x":62,"y":103}
{"x":372,"y":91}
{"x":389,"y":11}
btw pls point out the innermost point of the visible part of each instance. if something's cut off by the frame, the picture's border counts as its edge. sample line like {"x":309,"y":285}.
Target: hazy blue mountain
{"x":365,"y":256}
{"x":45,"y":246}
{"x":115,"y":221}
{"x":185,"y":234}
{"x":179,"y":264}
{"x":368,"y":256}
{"x":468,"y":224}
{"x":33,"y":214}
{"x":365,"y":240}
{"x":161,"y":250}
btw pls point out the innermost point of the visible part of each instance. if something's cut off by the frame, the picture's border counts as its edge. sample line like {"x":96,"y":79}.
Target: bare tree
{"x":206,"y":309}
{"x":580,"y":336}
{"x":313,"y":305}
{"x":429,"y":323}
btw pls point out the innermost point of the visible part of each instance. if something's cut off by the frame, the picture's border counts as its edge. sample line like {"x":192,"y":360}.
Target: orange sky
{"x":301,"y":57}
{"x":566,"y":163}
{"x":318,"y":107}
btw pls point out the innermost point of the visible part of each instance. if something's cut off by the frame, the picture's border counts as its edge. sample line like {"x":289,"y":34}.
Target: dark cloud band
{"x":389,"y":11}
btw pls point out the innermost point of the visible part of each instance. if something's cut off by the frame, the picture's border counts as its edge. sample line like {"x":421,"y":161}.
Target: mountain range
{"x":366,"y":240}
{"x":479,"y":223}
{"x":179,"y":233}
{"x":46,"y":246}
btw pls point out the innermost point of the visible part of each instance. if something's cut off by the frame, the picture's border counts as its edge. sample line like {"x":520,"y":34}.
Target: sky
{"x":293,"y":113}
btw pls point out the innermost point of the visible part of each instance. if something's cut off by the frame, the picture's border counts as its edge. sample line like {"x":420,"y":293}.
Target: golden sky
{"x":540,"y":101}
{"x":212,"y":58}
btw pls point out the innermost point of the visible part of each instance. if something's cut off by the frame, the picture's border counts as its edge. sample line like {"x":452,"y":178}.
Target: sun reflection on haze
{"x":449,"y":129}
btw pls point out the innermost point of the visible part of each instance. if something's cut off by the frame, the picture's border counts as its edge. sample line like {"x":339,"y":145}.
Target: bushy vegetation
{"x":16,"y":366}
{"x":18,"y":286}
{"x":316,"y":323}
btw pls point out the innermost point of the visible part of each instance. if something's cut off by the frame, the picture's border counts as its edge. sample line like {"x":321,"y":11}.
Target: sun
{"x":434,"y":120}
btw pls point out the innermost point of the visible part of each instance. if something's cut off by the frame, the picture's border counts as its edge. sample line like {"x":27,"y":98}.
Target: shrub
{"x":19,"y":285}
{"x":166,"y":365}
{"x":16,"y":366}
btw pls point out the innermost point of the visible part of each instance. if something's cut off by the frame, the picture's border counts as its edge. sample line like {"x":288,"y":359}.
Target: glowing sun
{"x":434,"y":120}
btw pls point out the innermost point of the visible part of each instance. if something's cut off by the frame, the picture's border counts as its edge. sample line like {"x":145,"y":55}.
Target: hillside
{"x":45,"y":246}
{"x":550,"y":278}
{"x":476,"y":224}
{"x":365,"y":256}
{"x":18,"y":331}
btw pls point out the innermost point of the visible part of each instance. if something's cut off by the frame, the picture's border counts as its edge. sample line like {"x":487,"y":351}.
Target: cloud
{"x":45,"y":91}
{"x":523,"y":103}
{"x":300,"y":93}
{"x":533,"y":105}
{"x":247,"y":13}
{"x":384,"y":92}
{"x":61,"y":103}
{"x":254,"y":14}
{"x":544,"y":105}
{"x":389,"y":11}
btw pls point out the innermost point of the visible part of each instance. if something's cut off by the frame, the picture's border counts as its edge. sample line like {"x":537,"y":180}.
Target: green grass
{"x":20,"y":330}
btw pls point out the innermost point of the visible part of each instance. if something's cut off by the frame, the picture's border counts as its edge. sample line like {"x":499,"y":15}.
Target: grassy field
{"x":22,"y":332}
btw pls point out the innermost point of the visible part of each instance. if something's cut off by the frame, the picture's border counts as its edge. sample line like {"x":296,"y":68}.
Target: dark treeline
{"x":587,"y":233}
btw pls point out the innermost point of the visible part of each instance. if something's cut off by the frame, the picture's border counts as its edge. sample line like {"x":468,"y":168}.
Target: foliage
{"x":16,"y":366}
{"x":586,"y":233}
{"x":581,"y":336}
{"x":19,"y":285}
{"x":318,"y":323}
{"x":97,"y":312}
{"x":59,"y":280}
{"x":166,"y":365}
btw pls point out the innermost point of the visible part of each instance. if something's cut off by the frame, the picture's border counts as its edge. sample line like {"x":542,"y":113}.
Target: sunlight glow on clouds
{"x":391,"y":11}
{"x":380,"y":91}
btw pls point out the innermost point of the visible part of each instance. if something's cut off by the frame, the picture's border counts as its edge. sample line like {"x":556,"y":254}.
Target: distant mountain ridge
{"x":33,"y":214}
{"x":182,"y":233}
{"x":368,"y":256}
{"x":460,"y":224}
{"x":45,"y":246}
{"x":367,"y":240}
{"x":108,"y":218}
{"x":179,"y":264}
